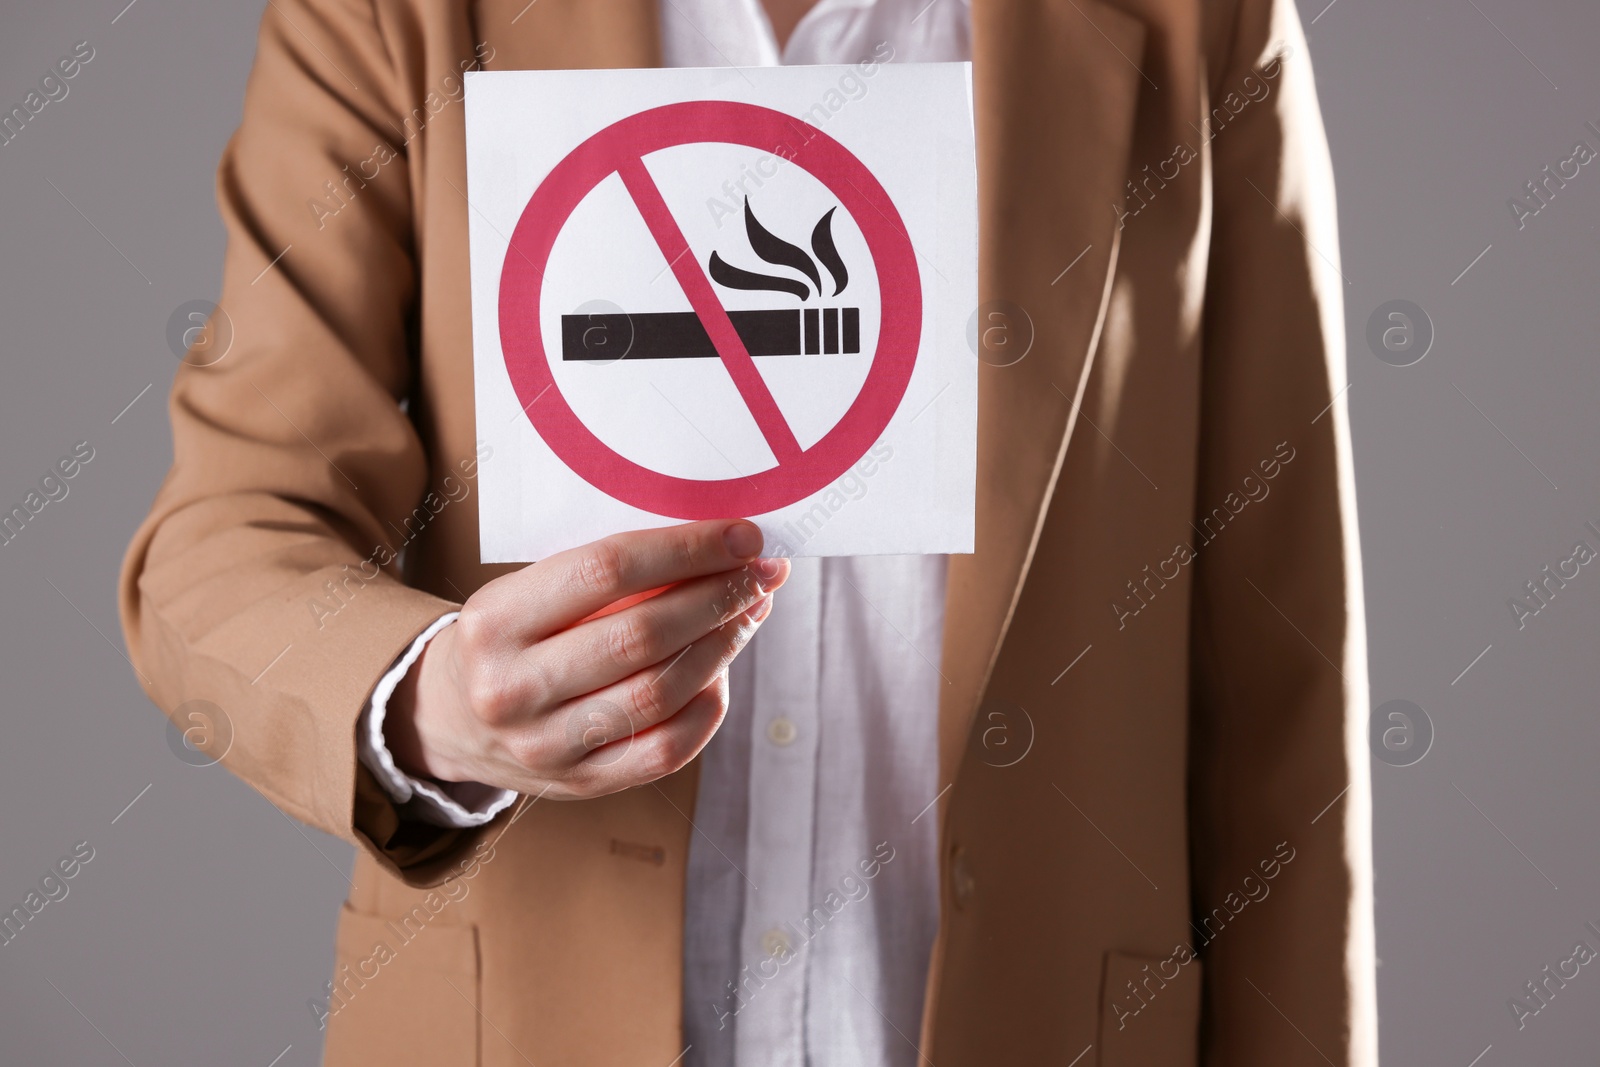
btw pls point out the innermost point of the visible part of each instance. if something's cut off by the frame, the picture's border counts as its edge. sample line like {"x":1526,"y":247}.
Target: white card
{"x":720,"y":293}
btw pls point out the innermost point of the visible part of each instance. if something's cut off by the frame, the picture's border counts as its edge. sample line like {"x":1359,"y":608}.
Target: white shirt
{"x":812,"y":897}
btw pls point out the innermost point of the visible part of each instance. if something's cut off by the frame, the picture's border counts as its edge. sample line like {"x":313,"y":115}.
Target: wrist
{"x":411,"y":708}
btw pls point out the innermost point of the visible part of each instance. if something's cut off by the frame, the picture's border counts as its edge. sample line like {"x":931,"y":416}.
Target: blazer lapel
{"x":1056,"y":84}
{"x":570,"y":34}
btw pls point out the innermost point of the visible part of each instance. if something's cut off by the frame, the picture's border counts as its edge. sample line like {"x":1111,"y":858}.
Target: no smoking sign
{"x":709,"y":294}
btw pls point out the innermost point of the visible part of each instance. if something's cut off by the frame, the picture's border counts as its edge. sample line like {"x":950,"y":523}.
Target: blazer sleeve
{"x":293,"y":451}
{"x":1279,"y":782}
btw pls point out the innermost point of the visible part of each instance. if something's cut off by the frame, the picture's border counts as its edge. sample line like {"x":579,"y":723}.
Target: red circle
{"x":729,"y":122}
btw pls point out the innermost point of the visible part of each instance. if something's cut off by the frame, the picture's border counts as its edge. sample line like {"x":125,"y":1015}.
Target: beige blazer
{"x":1163,"y":618}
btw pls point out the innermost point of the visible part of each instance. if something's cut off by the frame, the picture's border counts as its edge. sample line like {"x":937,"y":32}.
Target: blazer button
{"x":961,"y":881}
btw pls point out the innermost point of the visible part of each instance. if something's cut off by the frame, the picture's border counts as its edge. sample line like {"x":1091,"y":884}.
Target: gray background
{"x":204,"y":922}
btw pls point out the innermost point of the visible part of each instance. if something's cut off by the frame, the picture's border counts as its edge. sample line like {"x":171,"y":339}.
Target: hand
{"x":539,"y":689}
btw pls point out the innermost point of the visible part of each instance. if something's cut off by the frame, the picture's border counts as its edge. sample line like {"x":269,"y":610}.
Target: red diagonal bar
{"x":713,"y":316}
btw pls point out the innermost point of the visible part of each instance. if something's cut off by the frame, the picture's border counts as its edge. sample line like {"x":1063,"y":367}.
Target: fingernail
{"x":743,"y":539}
{"x":767,"y":569}
{"x":762,"y":609}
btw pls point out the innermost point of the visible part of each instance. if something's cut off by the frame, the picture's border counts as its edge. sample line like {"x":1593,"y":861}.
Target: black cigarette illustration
{"x":766,"y":332}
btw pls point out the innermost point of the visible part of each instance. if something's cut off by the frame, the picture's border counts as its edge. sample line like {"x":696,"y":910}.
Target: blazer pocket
{"x":403,"y":994}
{"x":1149,"y":1015}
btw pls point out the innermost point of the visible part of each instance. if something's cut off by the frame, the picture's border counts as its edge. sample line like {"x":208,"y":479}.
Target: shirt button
{"x":961,"y":880}
{"x":775,"y":943}
{"x":782,"y":732}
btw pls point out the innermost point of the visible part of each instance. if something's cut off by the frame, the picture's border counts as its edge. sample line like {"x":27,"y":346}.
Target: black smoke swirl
{"x":734,"y":278}
{"x":822,"y":245}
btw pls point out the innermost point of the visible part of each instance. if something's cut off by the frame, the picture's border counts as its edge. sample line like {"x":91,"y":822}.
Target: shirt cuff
{"x":452,"y":804}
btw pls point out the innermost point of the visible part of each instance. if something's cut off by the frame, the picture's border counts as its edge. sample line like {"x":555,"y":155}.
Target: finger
{"x":556,"y":592}
{"x":629,"y":707}
{"x":597,"y":653}
{"x":663,"y":749}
